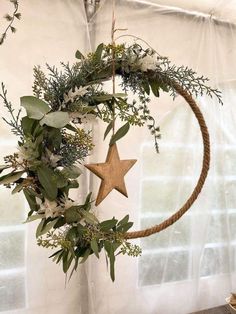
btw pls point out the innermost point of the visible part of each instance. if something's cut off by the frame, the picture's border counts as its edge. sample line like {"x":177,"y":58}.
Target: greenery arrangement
{"x":11,"y":19}
{"x":53,"y":143}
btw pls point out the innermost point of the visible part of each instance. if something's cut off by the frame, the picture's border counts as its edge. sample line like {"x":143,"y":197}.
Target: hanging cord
{"x":205,"y":168}
{"x":113,"y":63}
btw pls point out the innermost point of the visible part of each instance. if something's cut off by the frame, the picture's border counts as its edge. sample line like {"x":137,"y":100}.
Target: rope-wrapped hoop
{"x":202,"y":178}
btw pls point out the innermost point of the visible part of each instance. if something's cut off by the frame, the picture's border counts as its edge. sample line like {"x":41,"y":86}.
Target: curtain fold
{"x":191,"y":265}
{"x":49,"y":32}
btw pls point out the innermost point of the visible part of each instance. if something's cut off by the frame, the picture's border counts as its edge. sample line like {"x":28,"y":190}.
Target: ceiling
{"x":224,"y":10}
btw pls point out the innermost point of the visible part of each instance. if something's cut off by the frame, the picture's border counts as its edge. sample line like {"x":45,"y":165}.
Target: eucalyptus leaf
{"x":72,"y":214}
{"x":94,"y":247}
{"x":89,"y":217}
{"x":35,"y":108}
{"x":34,"y":217}
{"x":18,"y":188}
{"x":31,"y":199}
{"x":107,"y":225}
{"x":120,"y":95}
{"x":45,"y":175}
{"x":45,"y":227}
{"x":108,"y":129}
{"x":112,"y":263}
{"x":11,"y":177}
{"x":71,"y":172}
{"x":27,"y":125}
{"x":102,"y":98}
{"x":3,"y":167}
{"x":79,"y":55}
{"x":120,"y":133}
{"x":70,"y":127}
{"x":146,"y":87}
{"x":57,"y":119}
{"x":85,"y":256}
{"x":124,"y":220}
{"x":98,"y":52}
{"x":154,"y":86}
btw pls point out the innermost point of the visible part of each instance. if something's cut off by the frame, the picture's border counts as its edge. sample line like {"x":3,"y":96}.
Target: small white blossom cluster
{"x":52,"y":209}
{"x":149,"y":62}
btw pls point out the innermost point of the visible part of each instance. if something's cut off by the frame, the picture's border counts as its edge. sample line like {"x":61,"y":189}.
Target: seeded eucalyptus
{"x":54,"y":140}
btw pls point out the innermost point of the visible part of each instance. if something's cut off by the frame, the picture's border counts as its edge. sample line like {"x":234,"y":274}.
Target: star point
{"x":112,"y":173}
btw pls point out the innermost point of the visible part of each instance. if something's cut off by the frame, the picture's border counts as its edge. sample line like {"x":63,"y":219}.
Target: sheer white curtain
{"x":191,"y":265}
{"x":50,"y":31}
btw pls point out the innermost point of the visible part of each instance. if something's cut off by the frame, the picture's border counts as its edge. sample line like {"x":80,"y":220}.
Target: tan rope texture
{"x":205,"y":167}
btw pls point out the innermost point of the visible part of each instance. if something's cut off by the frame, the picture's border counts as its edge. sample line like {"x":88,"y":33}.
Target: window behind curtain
{"x":168,"y":256}
{"x":12,"y":244}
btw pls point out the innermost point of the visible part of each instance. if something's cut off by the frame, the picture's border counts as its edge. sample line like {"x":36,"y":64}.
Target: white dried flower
{"x":72,"y":95}
{"x":50,"y":209}
{"x":51,"y":158}
{"x":148,"y":63}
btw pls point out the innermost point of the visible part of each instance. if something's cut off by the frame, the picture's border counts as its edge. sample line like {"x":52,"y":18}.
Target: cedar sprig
{"x":15,"y":119}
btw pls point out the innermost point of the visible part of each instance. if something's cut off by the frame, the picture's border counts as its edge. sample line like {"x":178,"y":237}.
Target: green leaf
{"x":54,"y":138}
{"x":60,"y":222}
{"x":94,"y":247}
{"x":146,"y":87}
{"x":107,"y":247}
{"x":35,"y":108}
{"x":39,"y":228}
{"x":27,"y":125}
{"x":44,"y":227}
{"x":107,"y":225}
{"x":31,"y":199}
{"x":79,"y":55}
{"x":3,"y":167}
{"x":89,"y":217}
{"x":71,"y":127}
{"x":57,"y":119}
{"x":154,"y":86}
{"x":72,"y":234}
{"x":34,"y":217}
{"x":71,"y":172}
{"x":108,"y":129}
{"x":125,"y":227}
{"x":60,"y":180}
{"x":56,"y":253}
{"x":18,"y":188}
{"x":85,"y":256}
{"x":45,"y":176}
{"x":102,"y":98}
{"x":124,"y":220}
{"x":120,"y":133}
{"x":11,"y":177}
{"x":72,"y":215}
{"x":112,"y":264}
{"x":98,"y":52}
{"x":120,"y":95}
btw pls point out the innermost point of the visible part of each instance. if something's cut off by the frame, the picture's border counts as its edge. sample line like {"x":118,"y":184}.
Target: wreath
{"x":54,"y":142}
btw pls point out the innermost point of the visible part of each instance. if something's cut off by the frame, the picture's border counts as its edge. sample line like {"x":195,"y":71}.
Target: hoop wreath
{"x":53,"y":144}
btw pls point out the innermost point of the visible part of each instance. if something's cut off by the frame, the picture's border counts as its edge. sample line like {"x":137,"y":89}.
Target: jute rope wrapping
{"x":205,"y":167}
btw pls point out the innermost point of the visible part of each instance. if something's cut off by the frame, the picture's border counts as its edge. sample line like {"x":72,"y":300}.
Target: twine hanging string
{"x":113,"y":63}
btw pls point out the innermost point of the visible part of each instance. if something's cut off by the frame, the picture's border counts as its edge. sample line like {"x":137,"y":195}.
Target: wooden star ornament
{"x":112,"y":173}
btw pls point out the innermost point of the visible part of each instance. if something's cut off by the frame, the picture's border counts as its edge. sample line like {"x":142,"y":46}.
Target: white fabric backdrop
{"x":190,"y":266}
{"x":50,"y":31}
{"x":175,"y":274}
